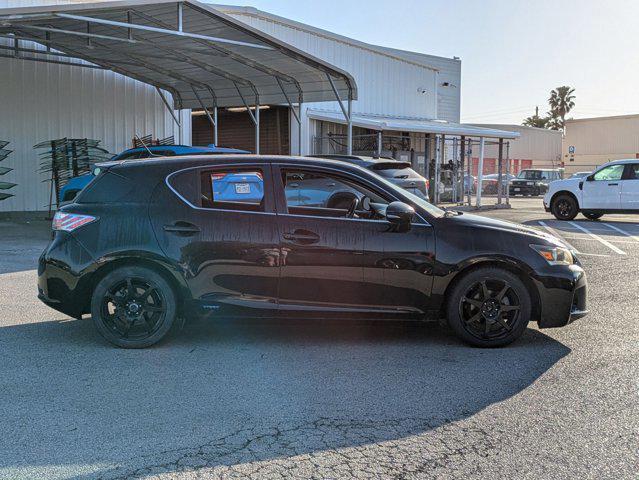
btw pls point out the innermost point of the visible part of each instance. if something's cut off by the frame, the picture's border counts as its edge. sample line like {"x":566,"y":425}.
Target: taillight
{"x":68,"y":222}
{"x":217,"y":176}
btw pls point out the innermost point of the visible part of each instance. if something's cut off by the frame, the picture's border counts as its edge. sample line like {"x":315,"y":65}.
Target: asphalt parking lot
{"x":253,"y":399}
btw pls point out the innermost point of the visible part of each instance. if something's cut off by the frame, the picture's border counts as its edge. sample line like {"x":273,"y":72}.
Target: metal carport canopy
{"x":438,"y":127}
{"x":179,"y":47}
{"x":201,"y":56}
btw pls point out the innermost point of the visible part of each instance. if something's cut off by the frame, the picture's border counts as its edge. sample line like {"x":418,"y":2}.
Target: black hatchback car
{"x":149,"y":241}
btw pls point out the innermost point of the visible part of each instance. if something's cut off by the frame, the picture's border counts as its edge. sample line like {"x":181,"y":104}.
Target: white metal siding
{"x":448,"y":97}
{"x":42,"y":101}
{"x":386,"y":85}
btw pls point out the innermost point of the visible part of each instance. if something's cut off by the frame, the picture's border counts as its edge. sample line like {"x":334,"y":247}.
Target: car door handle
{"x":303,"y":237}
{"x":613,"y":184}
{"x":182,"y":228}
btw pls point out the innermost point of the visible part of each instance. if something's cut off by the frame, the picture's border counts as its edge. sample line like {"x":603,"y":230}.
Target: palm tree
{"x":561,"y":102}
{"x":536,"y":121}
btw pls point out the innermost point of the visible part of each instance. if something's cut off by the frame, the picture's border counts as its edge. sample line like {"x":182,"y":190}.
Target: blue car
{"x":73,"y":186}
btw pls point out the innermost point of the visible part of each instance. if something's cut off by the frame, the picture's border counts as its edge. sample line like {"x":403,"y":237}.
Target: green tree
{"x":561,"y":101}
{"x":536,"y":121}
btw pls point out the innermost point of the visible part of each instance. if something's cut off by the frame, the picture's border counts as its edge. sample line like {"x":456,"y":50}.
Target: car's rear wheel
{"x":133,"y":307}
{"x":564,"y":207}
{"x":592,"y":216}
{"x":489,"y":307}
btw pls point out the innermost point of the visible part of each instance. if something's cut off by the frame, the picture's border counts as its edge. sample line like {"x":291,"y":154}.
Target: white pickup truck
{"x":611,"y":188}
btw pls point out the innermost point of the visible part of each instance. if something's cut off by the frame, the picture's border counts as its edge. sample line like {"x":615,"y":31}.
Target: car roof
{"x":187,"y":161}
{"x":184,"y":148}
{"x":362,"y":160}
{"x":623,"y":161}
{"x":539,"y":170}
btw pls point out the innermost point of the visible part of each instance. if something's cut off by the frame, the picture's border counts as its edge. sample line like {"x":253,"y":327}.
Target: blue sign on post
{"x":571,"y":149}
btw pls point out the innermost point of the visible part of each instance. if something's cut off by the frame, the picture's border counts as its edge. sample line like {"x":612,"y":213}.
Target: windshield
{"x":537,"y":175}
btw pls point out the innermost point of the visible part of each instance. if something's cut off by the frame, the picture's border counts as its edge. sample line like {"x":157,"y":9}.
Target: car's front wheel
{"x":133,"y":307}
{"x":489,"y":307}
{"x":564,"y":207}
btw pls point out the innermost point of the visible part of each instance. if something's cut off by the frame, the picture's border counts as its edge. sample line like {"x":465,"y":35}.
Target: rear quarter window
{"x":107,"y":187}
{"x":221,"y":188}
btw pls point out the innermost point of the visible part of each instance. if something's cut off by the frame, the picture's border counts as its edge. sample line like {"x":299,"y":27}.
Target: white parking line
{"x":636,"y":239}
{"x":554,"y":232}
{"x":597,"y":237}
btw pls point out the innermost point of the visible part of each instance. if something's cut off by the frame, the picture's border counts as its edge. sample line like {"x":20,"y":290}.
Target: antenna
{"x":144,"y":145}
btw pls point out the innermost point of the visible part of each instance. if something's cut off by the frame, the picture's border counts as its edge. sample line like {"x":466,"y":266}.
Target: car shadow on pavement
{"x":225,"y":393}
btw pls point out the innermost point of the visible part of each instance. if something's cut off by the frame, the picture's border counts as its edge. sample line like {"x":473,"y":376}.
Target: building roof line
{"x":287,"y":22}
{"x":610,"y":117}
{"x":514,"y":125}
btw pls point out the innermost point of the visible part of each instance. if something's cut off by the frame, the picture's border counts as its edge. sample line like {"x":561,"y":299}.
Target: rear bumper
{"x":563,"y":297}
{"x":59,"y":284}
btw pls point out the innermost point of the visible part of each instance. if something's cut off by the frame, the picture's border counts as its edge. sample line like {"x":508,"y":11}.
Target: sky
{"x":513,"y":52}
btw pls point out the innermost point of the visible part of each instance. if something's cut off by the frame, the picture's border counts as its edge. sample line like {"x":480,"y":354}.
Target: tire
{"x":489,"y":320}
{"x":564,"y":207}
{"x":125,"y":316}
{"x":592,"y":216}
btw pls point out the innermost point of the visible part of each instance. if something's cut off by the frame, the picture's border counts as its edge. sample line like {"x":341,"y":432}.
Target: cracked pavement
{"x":297,"y":399}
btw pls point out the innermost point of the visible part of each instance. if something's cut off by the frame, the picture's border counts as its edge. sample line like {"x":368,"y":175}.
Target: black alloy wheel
{"x":133,"y":307}
{"x":564,"y":207}
{"x":489,"y":307}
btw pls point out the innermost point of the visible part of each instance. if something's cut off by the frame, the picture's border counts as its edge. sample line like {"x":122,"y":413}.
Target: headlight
{"x":554,"y":255}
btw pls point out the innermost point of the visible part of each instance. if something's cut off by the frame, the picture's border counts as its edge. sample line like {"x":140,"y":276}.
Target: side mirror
{"x":590,"y":178}
{"x":400,"y":215}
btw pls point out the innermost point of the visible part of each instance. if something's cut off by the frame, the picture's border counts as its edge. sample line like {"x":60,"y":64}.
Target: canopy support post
{"x":255,"y":117}
{"x":206,"y":111}
{"x":168,"y":107}
{"x":299,"y":130}
{"x":215,"y":138}
{"x":508,"y":171}
{"x":347,"y":111}
{"x":500,"y":161}
{"x":480,"y":171}
{"x":379,"y":143}
{"x":462,"y":164}
{"x":438,"y":159}
{"x":298,"y":117}
{"x":257,"y":124}
{"x":349,"y":142}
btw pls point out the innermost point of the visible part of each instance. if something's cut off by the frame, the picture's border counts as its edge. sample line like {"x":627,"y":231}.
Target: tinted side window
{"x":322,"y":194}
{"x":633,"y":171}
{"x":233,"y":189}
{"x":129,"y":156}
{"x":613,"y":172}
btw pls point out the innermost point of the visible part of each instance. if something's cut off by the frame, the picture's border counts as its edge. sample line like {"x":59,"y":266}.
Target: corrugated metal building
{"x":590,"y":142}
{"x":44,"y":101}
{"x":403,"y":95}
{"x":536,"y":147}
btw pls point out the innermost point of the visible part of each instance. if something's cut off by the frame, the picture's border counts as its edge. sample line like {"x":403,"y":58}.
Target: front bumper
{"x":526,"y":189}
{"x":563,"y":296}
